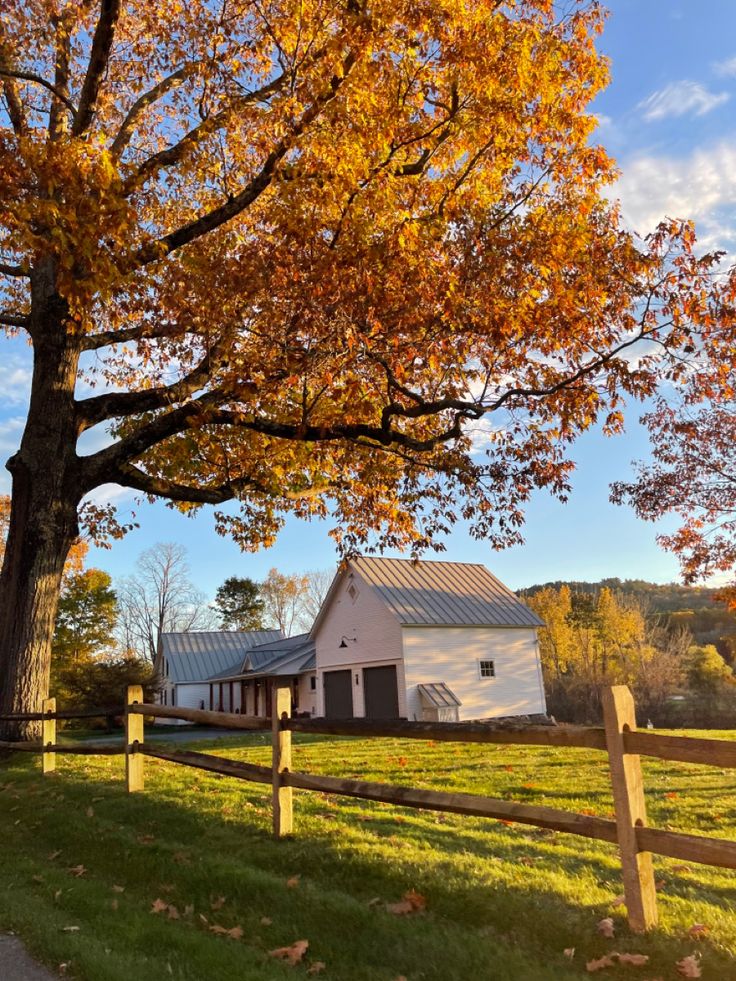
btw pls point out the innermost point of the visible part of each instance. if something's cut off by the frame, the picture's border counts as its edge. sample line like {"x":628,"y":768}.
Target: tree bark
{"x":46,"y":490}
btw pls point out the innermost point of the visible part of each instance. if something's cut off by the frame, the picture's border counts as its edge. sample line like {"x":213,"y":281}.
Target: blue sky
{"x":668,"y":118}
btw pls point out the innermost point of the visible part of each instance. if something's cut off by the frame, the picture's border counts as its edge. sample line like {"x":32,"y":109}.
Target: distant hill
{"x":694,"y":607}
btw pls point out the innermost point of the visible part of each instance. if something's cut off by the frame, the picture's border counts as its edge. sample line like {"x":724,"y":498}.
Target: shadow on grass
{"x":192,"y":837}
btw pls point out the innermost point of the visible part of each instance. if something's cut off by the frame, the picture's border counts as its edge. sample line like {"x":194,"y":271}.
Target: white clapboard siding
{"x":451,"y":655}
{"x":371,"y":633}
{"x":307,"y":696}
{"x":189,"y":696}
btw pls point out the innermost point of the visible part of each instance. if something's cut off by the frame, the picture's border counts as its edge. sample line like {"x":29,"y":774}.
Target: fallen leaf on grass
{"x":54,"y":855}
{"x":75,"y":929}
{"x":605,"y":927}
{"x":158,"y":906}
{"x":189,"y":909}
{"x":235,"y":933}
{"x":37,"y":878}
{"x":90,"y":812}
{"x":118,"y":888}
{"x":411,"y":902}
{"x":292,"y":954}
{"x":316,"y":967}
{"x":688,"y":967}
{"x":78,"y":870}
{"x":600,"y":964}
{"x":173,"y":913}
{"x":569,"y":952}
{"x":636,"y":960}
{"x":293,"y":882}
{"x":681,"y":868}
{"x":217,"y":903}
{"x":146,"y":839}
{"x":699,"y":930}
{"x":609,"y":960}
{"x":266,"y":921}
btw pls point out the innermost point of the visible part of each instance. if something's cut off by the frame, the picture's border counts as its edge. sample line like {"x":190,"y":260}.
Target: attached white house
{"x":186,"y":661}
{"x":394,"y":638}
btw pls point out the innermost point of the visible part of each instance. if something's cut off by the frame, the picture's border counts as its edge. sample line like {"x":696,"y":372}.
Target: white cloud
{"x":11,"y":430}
{"x":15,"y":381}
{"x":701,"y":187}
{"x":727,"y":67}
{"x":681,"y":98}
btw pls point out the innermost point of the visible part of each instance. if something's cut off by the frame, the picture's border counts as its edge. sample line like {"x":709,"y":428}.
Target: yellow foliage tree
{"x":308,"y":247}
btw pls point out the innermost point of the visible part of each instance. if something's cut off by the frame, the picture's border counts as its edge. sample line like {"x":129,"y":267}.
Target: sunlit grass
{"x":503,"y":902}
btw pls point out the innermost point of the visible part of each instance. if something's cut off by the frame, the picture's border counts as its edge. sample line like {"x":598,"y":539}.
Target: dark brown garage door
{"x":381,"y":693}
{"x":338,"y":694}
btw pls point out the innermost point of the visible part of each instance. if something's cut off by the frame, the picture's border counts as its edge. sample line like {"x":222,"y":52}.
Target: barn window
{"x":487,"y":669}
{"x":353,"y":591}
{"x":313,"y":683}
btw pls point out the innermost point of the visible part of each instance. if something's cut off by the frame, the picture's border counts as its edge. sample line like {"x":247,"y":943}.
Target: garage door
{"x":338,"y":694}
{"x":381,"y":693}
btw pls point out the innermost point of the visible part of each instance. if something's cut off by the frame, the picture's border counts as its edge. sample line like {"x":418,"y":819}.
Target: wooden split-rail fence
{"x":619,"y":738}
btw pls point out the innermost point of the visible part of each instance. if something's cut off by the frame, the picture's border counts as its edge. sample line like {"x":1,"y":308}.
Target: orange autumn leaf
{"x":698,"y":931}
{"x":635,"y":960}
{"x":689,"y":967}
{"x":411,"y":902}
{"x":600,"y":964}
{"x":292,"y":954}
{"x":606,"y":927}
{"x":159,"y":905}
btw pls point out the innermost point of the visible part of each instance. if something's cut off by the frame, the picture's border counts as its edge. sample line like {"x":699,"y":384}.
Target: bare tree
{"x":318,"y":584}
{"x":159,"y":597}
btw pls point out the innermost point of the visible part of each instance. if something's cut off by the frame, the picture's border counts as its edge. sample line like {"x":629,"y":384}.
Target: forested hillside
{"x":695,"y":607}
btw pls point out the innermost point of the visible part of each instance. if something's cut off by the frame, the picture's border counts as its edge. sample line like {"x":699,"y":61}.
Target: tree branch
{"x":129,"y":476}
{"x":141,"y":332}
{"x":128,"y":125}
{"x":115,"y":405}
{"x":255,"y":187}
{"x":173,"y":154}
{"x":12,"y":320}
{"x":57,"y":124}
{"x":32,"y":77}
{"x":8,"y":270}
{"x":98,"y":60}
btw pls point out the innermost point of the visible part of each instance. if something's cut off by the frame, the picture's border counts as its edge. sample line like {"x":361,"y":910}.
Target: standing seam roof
{"x":195,"y":657}
{"x":444,"y":593}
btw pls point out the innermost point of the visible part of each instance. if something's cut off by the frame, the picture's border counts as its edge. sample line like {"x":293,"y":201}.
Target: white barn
{"x":425,"y":640}
{"x":394,"y":638}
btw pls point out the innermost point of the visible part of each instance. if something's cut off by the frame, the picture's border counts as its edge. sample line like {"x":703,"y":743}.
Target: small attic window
{"x":353,"y":591}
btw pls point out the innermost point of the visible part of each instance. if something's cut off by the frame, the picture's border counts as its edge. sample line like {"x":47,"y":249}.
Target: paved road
{"x":17,"y":965}
{"x":184,"y":734}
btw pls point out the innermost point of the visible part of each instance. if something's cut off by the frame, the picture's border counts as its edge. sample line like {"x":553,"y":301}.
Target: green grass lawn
{"x":83,"y":864}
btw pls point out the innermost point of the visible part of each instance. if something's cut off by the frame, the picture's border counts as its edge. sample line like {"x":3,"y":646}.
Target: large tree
{"x":308,"y":247}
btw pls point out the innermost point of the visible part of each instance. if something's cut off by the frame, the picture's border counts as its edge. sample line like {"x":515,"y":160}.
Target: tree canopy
{"x":239,"y":604}
{"x":331,"y":258}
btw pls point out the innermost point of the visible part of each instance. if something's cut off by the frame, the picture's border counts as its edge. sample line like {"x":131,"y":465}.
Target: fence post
{"x":628,"y":797}
{"x":282,"y":796}
{"x":48,"y":736}
{"x":133,"y":736}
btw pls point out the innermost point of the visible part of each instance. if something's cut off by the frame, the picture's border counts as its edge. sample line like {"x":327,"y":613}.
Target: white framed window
{"x":486,"y":669}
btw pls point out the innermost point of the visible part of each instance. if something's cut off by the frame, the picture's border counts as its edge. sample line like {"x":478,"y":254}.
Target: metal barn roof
{"x":196,"y":656}
{"x":282,"y":656}
{"x":444,"y":594}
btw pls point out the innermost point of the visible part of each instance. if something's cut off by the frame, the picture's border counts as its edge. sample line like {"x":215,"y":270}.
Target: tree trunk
{"x":43,"y":517}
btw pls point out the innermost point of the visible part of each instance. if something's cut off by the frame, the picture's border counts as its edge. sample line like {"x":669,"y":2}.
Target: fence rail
{"x":619,"y":738}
